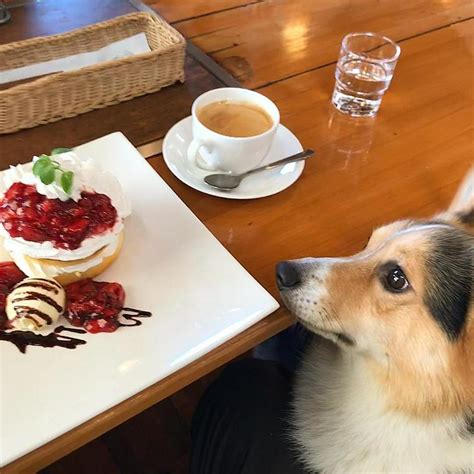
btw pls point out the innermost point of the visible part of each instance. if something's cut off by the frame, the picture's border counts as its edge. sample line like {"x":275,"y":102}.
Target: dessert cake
{"x":61,"y":217}
{"x":61,"y":221}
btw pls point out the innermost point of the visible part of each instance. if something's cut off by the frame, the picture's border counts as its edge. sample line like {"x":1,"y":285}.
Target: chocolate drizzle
{"x":28,"y":316}
{"x":23,"y":339}
{"x":133,"y":315}
{"x":25,"y":311}
{"x":48,"y":280}
{"x":64,"y":328}
{"x":34,"y":295}
{"x":43,"y":284}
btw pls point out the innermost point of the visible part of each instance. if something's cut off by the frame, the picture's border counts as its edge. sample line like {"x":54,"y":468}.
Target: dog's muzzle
{"x":287,"y":275}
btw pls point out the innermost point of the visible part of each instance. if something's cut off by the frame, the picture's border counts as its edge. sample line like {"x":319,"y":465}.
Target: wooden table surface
{"x":407,"y":161}
{"x":261,"y":42}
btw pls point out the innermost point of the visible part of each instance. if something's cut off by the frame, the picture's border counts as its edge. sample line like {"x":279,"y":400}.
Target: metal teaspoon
{"x":226,"y":182}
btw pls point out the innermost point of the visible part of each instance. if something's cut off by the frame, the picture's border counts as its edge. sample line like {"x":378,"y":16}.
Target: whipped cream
{"x":48,"y":250}
{"x":38,"y":269}
{"x":88,"y":176}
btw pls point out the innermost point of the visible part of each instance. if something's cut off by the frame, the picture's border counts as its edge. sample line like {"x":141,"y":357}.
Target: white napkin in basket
{"x":136,"y":44}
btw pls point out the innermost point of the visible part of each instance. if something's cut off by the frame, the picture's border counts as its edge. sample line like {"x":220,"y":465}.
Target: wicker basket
{"x":66,"y":94}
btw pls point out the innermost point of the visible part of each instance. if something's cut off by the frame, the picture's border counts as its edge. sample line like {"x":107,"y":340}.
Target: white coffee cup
{"x":213,"y":151}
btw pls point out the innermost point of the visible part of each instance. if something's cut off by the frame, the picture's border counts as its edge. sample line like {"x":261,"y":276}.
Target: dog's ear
{"x":461,"y":210}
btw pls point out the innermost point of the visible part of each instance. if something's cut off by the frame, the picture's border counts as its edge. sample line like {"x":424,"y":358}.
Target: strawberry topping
{"x":94,"y":305}
{"x":26,"y":213}
{"x":10,"y":275}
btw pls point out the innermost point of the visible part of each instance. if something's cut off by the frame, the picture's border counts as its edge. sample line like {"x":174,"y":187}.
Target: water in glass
{"x":363,"y":73}
{"x":360,"y":86}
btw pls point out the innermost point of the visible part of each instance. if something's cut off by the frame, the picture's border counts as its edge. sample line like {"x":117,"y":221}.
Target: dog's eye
{"x":396,"y":280}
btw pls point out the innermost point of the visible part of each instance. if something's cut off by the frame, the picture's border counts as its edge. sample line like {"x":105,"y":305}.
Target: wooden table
{"x":406,"y":162}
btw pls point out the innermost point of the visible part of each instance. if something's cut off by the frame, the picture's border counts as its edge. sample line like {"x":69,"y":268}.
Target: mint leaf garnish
{"x":41,"y":164}
{"x":66,"y":181}
{"x":48,"y":175}
{"x":48,"y":170}
{"x":58,"y":151}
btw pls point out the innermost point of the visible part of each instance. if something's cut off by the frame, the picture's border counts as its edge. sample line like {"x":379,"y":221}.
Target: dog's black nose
{"x":287,"y":275}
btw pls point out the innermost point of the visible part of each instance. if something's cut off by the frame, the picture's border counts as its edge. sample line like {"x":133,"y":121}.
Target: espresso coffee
{"x":235,"y":119}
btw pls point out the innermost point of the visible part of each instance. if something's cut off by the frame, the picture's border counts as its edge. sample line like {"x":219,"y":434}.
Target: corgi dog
{"x":389,"y":387}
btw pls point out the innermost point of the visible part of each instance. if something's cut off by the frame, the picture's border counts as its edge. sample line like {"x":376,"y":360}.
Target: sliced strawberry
{"x":78,"y":226}
{"x":75,"y":320}
{"x":3,"y":302}
{"x":10,"y":275}
{"x":15,"y":191}
{"x":94,"y":305}
{"x":48,"y":206}
{"x":100,"y":325}
{"x":86,"y":202}
{"x":3,"y":297}
{"x":26,"y":213}
{"x":30,"y":214}
{"x":77,"y":212}
{"x":7,"y":213}
{"x":30,"y":232}
{"x":4,"y":322}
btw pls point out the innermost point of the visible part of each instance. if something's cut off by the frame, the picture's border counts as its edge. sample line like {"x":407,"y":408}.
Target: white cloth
{"x":130,"y":46}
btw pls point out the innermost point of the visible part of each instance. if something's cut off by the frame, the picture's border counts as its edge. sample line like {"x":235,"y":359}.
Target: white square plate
{"x":170,"y":264}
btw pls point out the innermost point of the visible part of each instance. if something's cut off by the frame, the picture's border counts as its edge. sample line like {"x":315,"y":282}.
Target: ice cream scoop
{"x":34,"y":303}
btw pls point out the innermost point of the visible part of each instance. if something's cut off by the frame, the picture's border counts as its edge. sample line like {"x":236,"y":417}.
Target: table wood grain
{"x":264,"y":42}
{"x":175,"y":11}
{"x":407,"y":162}
{"x":40,"y":18}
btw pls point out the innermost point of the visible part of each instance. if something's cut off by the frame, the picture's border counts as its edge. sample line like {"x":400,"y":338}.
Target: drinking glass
{"x":363,"y":73}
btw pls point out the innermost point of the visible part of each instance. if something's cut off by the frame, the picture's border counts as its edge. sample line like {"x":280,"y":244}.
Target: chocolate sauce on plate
{"x":23,"y":339}
{"x":133,"y":315}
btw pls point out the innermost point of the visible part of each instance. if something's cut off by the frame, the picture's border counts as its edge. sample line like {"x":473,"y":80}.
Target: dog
{"x":390,"y":385}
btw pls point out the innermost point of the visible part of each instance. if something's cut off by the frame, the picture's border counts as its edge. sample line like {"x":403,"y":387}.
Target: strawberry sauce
{"x":26,"y":213}
{"x":97,"y":306}
{"x":10,"y":275}
{"x":94,"y":305}
{"x":91,"y":305}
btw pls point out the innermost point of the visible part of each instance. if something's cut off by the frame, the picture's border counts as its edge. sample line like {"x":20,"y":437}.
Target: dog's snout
{"x":287,"y":275}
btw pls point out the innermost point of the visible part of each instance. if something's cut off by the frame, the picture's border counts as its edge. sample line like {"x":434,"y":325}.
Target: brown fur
{"x":403,"y":348}
{"x":423,"y":373}
{"x":358,"y":304}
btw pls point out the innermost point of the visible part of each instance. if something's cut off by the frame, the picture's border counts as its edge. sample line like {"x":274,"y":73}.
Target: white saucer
{"x":259,"y":185}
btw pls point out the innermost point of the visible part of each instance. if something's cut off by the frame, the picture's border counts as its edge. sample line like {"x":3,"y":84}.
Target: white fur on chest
{"x":341,"y":425}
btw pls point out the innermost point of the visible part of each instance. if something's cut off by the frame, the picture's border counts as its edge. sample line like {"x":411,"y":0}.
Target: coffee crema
{"x":235,"y":119}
